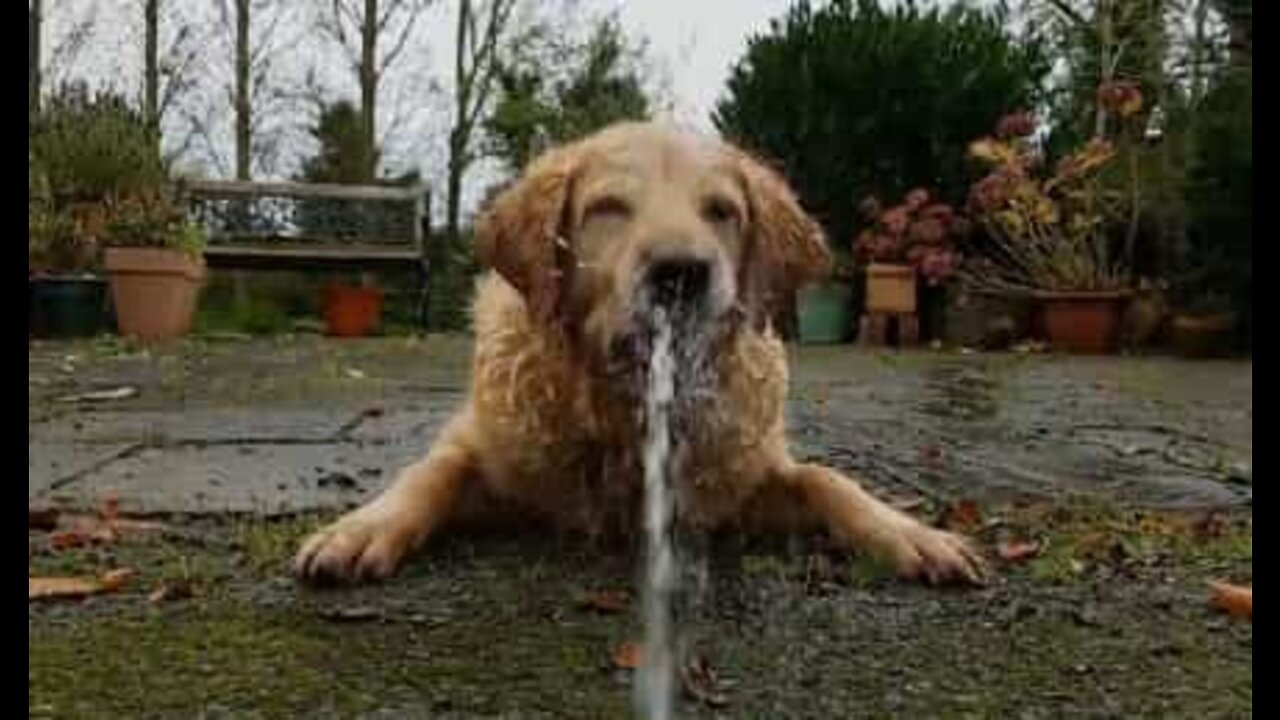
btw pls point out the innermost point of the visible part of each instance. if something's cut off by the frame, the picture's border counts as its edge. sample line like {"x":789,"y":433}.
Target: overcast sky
{"x":692,"y":45}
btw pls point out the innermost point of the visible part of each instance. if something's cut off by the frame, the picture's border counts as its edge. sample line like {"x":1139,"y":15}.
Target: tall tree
{"x":151,"y":60}
{"x":374,"y":34}
{"x":342,"y":158}
{"x":482,"y":36}
{"x":35,"y":20}
{"x":244,"y":89}
{"x":170,"y":53}
{"x":565,"y":88}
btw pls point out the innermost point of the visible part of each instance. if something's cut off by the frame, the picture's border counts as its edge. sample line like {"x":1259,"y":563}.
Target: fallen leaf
{"x":699,"y":681}
{"x":61,"y":588}
{"x":69,"y":540}
{"x":1234,"y":600}
{"x":1212,"y":525}
{"x":76,"y":588}
{"x":110,"y":510}
{"x":963,"y":516}
{"x":100,"y":396}
{"x":339,"y":481}
{"x":357,"y":614}
{"x":1019,"y":551}
{"x":931,"y":455}
{"x":818,"y":573}
{"x":116,"y":580}
{"x":906,"y":503}
{"x":42,"y":519}
{"x":171,"y":592}
{"x":607,"y":602}
{"x":628,"y":656}
{"x":78,"y":531}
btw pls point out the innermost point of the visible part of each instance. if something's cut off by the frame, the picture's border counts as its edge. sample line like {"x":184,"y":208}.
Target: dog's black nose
{"x":679,"y":280}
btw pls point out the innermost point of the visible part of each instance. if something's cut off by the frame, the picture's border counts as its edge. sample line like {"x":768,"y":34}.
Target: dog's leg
{"x":371,"y":543}
{"x":802,"y":498}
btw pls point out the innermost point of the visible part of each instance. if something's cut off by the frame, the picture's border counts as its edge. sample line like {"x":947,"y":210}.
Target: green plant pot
{"x":826,"y":316}
{"x":68,"y":307}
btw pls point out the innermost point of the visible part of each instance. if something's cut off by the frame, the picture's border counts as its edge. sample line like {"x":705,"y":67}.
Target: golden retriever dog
{"x":593,"y":237}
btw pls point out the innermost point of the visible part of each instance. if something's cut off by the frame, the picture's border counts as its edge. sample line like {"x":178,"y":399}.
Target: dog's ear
{"x":522,"y":234}
{"x":787,"y":247}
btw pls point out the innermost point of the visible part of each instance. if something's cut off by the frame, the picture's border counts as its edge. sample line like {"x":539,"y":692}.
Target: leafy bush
{"x":153,"y":219}
{"x":94,"y":146}
{"x":1221,"y":195}
{"x":857,"y":100}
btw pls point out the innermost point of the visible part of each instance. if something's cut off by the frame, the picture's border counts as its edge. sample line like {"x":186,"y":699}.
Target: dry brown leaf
{"x":116,"y":580}
{"x":69,"y":540}
{"x":1234,"y":600}
{"x":1212,"y":525}
{"x":1019,"y":551}
{"x":110,"y":510}
{"x":628,"y":656}
{"x":171,"y":592}
{"x":906,"y":503}
{"x":76,"y":588}
{"x":963,"y":516}
{"x":61,"y":588}
{"x":42,"y":519}
{"x":78,"y":531}
{"x":699,"y":681}
{"x":607,"y":602}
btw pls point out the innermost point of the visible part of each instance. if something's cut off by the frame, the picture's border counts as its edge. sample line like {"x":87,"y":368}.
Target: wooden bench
{"x":304,"y":227}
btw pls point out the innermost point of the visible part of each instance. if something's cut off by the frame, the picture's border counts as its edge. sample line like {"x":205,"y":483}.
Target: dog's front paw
{"x":369,"y":544}
{"x":919,"y":552}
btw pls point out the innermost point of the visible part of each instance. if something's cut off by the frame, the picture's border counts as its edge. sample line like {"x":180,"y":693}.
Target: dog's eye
{"x":719,"y":211}
{"x":608,"y":207}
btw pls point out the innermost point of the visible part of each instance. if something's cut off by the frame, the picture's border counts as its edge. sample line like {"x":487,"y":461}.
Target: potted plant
{"x":1046,"y":235}
{"x":825,"y":309}
{"x":155,"y":264}
{"x":1205,"y":328}
{"x":905,"y":244}
{"x":92,"y":146}
{"x":351,"y":310}
{"x":66,"y":298}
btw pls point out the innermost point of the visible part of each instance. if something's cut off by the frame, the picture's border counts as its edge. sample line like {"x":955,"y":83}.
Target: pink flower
{"x":1121,"y":97}
{"x":885,"y":248}
{"x":896,"y":221}
{"x":939,"y":266}
{"x":870,"y":208}
{"x":917,"y":199}
{"x":939,"y":211}
{"x":864,"y":246}
{"x":929,"y":231}
{"x":1017,"y":125}
{"x":990,"y":193}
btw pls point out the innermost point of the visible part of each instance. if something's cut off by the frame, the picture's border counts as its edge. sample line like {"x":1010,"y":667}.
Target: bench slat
{"x":309,"y":256}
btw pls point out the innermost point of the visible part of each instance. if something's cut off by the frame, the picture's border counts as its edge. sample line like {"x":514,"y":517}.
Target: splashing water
{"x":655,"y":689}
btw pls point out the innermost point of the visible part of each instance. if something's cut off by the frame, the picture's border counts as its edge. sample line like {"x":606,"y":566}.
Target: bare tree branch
{"x":1064,"y":7}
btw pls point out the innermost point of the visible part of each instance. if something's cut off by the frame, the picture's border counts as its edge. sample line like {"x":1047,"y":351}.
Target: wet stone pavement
{"x":1132,"y":478}
{"x":332,"y":426}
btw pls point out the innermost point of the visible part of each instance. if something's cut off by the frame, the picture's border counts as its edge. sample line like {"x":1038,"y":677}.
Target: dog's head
{"x":599,"y":232}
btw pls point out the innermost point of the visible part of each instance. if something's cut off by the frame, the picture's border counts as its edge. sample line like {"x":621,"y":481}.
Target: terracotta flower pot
{"x":1087,"y":323}
{"x":891,"y":289}
{"x":351,"y":311}
{"x":154,"y":290}
{"x":1203,"y":336}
